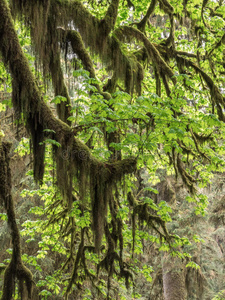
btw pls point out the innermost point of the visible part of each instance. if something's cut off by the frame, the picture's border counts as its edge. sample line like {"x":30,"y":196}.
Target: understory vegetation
{"x":112,"y":149}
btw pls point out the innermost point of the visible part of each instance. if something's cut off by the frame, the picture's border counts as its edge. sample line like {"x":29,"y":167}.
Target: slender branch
{"x":186,"y":54}
{"x":142,"y":24}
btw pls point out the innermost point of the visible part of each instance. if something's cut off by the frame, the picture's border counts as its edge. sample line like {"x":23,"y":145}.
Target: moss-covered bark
{"x":16,"y":269}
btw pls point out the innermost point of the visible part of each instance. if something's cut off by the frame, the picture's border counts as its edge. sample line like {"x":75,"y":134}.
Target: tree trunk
{"x":174,"y":278}
{"x":15,"y":269}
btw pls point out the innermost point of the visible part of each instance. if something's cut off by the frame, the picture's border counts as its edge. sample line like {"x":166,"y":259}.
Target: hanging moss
{"x":40,"y":17}
{"x":162,"y":67}
{"x":126,"y":67}
{"x":79,"y":254}
{"x":38,"y":148}
{"x":100,"y":193}
{"x":108,"y":263}
{"x":197,"y":140}
{"x":78,"y":47}
{"x":94,"y":32}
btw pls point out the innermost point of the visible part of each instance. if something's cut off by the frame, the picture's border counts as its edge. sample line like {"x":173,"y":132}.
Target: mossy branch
{"x":214,"y":13}
{"x":168,"y":9}
{"x":154,"y":55}
{"x":184,"y":53}
{"x":216,"y":95}
{"x":110,"y":17}
{"x":188,"y":180}
{"x":78,"y":47}
{"x":142,"y":24}
{"x":166,"y":6}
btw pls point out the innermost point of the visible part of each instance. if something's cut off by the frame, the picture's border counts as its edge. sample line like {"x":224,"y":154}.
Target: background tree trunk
{"x":174,"y":278}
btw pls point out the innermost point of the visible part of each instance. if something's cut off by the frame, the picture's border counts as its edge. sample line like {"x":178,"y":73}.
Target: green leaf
{"x":53,"y":142}
{"x":58,"y":99}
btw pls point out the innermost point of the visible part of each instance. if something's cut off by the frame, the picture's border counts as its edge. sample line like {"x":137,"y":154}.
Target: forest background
{"x":112,"y":123}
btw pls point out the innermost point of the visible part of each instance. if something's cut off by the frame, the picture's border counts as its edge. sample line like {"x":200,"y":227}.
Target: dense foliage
{"x":139,"y":94}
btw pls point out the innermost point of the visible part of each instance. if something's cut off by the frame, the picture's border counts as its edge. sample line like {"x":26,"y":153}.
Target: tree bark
{"x":174,"y":278}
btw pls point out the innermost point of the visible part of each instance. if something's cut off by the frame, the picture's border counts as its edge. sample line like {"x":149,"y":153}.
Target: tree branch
{"x":110,"y":17}
{"x":214,"y":90}
{"x":142,"y":24}
{"x":153,"y":53}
